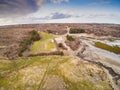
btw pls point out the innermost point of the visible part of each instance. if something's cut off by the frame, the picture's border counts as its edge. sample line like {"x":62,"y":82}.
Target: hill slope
{"x":52,"y":73}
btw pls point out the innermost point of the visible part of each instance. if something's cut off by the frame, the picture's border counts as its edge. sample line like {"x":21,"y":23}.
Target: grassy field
{"x":114,"y":49}
{"x":51,"y":73}
{"x":46,"y":44}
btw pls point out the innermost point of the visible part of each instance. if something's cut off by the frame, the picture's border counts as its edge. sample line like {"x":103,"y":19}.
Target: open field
{"x":52,"y":73}
{"x":46,"y":44}
{"x":35,"y":72}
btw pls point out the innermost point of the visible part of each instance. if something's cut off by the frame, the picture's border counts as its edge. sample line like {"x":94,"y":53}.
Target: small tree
{"x":35,"y":35}
{"x":49,"y":31}
{"x":61,"y":53}
{"x":70,"y":38}
{"x":60,"y":45}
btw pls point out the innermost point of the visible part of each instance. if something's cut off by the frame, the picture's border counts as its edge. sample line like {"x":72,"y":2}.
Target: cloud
{"x":30,"y":11}
{"x":100,"y":2}
{"x":59,"y":1}
{"x":51,"y":16}
{"x":9,"y":8}
{"x":60,"y":15}
{"x":40,"y":2}
{"x":17,"y":8}
{"x":82,"y":17}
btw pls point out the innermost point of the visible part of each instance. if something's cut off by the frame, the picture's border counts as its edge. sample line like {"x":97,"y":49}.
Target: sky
{"x":59,"y":11}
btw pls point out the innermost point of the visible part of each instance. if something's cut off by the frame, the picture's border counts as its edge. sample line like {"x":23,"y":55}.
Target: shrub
{"x":70,"y":38}
{"x":34,"y":36}
{"x":49,"y":31}
{"x":61,"y":53}
{"x":60,"y":45}
{"x":77,"y":31}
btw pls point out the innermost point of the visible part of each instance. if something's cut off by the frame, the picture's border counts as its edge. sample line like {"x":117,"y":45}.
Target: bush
{"x":77,"y":31}
{"x":60,"y":45}
{"x":70,"y":38}
{"x":34,"y":36}
{"x":49,"y":31}
{"x":61,"y":53}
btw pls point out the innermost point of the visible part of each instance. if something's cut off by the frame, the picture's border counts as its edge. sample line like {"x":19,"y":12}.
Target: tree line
{"x":34,"y":36}
{"x":76,"y":30}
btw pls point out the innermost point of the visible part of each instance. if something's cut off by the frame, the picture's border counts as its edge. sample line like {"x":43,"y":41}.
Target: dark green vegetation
{"x":60,"y":45}
{"x":34,"y":36}
{"x":70,"y":38}
{"x":114,"y":49}
{"x":49,"y":31}
{"x":74,"y":31}
{"x":61,"y":53}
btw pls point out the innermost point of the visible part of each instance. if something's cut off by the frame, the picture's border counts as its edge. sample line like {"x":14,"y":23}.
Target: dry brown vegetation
{"x":74,"y":45}
{"x":10,"y":40}
{"x":50,"y":72}
{"x":11,"y":36}
{"x":99,"y":29}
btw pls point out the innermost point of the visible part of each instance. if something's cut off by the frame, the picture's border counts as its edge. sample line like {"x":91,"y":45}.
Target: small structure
{"x":59,"y":40}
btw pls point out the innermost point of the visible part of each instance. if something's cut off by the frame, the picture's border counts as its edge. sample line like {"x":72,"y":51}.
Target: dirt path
{"x":43,"y":78}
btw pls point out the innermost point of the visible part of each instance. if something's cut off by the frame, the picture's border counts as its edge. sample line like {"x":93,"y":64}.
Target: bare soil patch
{"x":74,"y":45}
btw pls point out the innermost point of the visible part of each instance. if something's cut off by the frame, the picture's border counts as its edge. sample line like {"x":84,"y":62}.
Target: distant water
{"x":114,"y":43}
